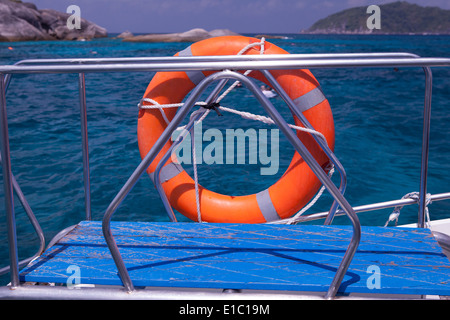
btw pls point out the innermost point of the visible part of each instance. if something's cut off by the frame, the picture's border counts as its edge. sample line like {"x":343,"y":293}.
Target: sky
{"x":241,"y":16}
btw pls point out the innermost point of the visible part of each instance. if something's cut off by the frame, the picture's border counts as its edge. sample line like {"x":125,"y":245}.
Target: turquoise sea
{"x":378,"y":117}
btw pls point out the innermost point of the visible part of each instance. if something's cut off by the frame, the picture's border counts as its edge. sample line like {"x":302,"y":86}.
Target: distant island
{"x":396,"y":18}
{"x":21,"y":21}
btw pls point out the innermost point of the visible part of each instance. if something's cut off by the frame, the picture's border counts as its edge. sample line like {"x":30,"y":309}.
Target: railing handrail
{"x":368,"y":207}
{"x":194,"y":64}
{"x":154,"y":59}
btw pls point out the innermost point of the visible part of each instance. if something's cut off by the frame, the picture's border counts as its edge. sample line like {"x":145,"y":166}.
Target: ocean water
{"x":378,"y":116}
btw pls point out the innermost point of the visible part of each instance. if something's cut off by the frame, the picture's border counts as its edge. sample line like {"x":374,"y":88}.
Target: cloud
{"x":357,"y":3}
{"x":234,"y":7}
{"x":259,"y":16}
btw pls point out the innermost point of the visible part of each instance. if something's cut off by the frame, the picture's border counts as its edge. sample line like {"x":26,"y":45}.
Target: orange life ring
{"x":286,"y":196}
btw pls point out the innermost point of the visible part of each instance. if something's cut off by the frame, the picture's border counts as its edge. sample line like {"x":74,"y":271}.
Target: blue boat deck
{"x":242,"y":256}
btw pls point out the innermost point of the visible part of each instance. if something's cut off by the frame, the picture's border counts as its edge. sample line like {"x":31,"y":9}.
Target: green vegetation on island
{"x":396,"y":18}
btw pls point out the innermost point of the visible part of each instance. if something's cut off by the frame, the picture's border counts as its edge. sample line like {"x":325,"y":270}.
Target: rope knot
{"x":213,"y":106}
{"x":412,"y":195}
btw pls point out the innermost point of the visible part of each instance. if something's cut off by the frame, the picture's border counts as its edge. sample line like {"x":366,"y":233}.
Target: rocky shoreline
{"x":24,"y":22}
{"x":21,"y":21}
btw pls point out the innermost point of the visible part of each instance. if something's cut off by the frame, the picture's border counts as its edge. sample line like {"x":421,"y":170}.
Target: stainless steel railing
{"x":283,"y":126}
{"x":263,"y":62}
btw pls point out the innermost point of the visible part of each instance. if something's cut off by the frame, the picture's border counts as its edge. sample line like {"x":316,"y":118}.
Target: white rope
{"x":194,"y":160}
{"x":295,"y":218}
{"x":267,"y":120}
{"x":313,"y":201}
{"x":246,"y":73}
{"x":243,"y":114}
{"x":155,"y":105}
{"x":415,"y":196}
{"x":194,"y":165}
{"x":197,"y":196}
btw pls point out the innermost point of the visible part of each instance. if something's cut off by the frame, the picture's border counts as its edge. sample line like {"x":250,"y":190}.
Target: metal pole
{"x":323,"y":177}
{"x":85,"y":145}
{"x":157,"y":181}
{"x":8,"y":188}
{"x":196,"y":64}
{"x":323,"y":144}
{"x":114,"y":293}
{"x":148,"y":159}
{"x":268,"y":57}
{"x":425,"y":146}
{"x":34,"y":223}
{"x":364,"y":208}
{"x":273,"y":113}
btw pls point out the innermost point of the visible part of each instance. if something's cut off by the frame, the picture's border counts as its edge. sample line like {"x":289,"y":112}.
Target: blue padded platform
{"x":249,"y":256}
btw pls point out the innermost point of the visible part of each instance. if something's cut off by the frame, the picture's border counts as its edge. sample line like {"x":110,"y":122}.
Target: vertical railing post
{"x":425,"y":146}
{"x":85,"y":146}
{"x":8,"y":187}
